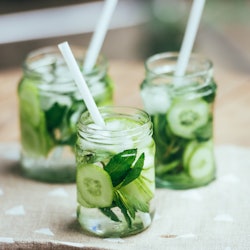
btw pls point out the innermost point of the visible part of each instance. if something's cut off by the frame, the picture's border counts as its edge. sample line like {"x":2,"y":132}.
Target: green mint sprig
{"x":123,"y":168}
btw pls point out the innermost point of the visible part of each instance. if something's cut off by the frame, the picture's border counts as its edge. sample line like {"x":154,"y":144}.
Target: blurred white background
{"x":139,"y":28}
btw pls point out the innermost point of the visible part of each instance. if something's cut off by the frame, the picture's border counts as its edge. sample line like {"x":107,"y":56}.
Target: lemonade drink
{"x":49,"y":108}
{"x":115,"y":173}
{"x":181,"y":109}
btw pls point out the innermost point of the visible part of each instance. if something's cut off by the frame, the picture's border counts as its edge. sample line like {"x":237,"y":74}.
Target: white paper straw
{"x":81,"y":83}
{"x":99,"y":35}
{"x":189,"y":37}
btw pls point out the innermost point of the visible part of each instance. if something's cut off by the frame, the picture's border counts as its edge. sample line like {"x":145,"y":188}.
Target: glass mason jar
{"x":181,"y":109}
{"x":49,"y":109}
{"x":115,"y":172}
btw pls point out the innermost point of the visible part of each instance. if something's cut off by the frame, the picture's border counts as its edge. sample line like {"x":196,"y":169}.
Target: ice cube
{"x":49,"y":99}
{"x":156,"y":99}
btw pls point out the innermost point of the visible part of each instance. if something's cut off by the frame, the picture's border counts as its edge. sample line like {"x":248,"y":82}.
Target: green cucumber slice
{"x":94,"y":185}
{"x":30,"y":139}
{"x":82,"y":202}
{"x":29,"y":102}
{"x":148,"y":176}
{"x":201,"y":162}
{"x":35,"y":140}
{"x":122,"y":123}
{"x":205,"y":132}
{"x":189,"y":149}
{"x":185,"y":116}
{"x":138,"y":194}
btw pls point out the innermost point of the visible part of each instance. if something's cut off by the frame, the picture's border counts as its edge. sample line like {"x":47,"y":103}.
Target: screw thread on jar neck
{"x":47,"y":63}
{"x":124,"y":123}
{"x":165,"y":64}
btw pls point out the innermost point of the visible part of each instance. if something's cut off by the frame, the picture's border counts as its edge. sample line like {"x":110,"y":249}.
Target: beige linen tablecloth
{"x":36,"y":215}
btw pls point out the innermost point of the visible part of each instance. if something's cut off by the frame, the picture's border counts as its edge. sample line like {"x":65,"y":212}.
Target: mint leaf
{"x":54,"y":116}
{"x":119,"y":165}
{"x":109,"y":213}
{"x":134,"y":172}
{"x":124,"y":169}
{"x":124,"y":210}
{"x":125,"y":202}
{"x":137,"y":195}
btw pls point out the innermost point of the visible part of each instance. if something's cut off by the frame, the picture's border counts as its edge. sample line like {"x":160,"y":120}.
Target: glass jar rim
{"x":98,"y":134}
{"x":79,"y":52}
{"x":205,"y":64}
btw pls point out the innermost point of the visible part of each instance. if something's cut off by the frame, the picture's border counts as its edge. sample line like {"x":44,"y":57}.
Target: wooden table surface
{"x":232,"y":107}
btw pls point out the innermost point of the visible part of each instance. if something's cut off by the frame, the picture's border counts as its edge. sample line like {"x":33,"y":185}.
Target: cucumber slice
{"x":148,"y":176}
{"x":201,"y":162}
{"x":189,"y":149}
{"x":122,"y":123}
{"x":94,"y":185}
{"x":138,"y":194}
{"x":35,"y":140}
{"x":205,"y":132}
{"x":30,"y":139}
{"x":29,"y":102}
{"x":82,"y":202}
{"x":185,"y":116}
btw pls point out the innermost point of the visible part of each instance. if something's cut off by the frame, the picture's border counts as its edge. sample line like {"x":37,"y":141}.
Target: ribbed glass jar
{"x":115,"y":173}
{"x":181,"y":109}
{"x":49,"y":108}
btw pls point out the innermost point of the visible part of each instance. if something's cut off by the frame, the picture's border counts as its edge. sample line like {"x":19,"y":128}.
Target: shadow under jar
{"x":181,"y":109}
{"x":115,"y":173}
{"x":49,"y":108}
